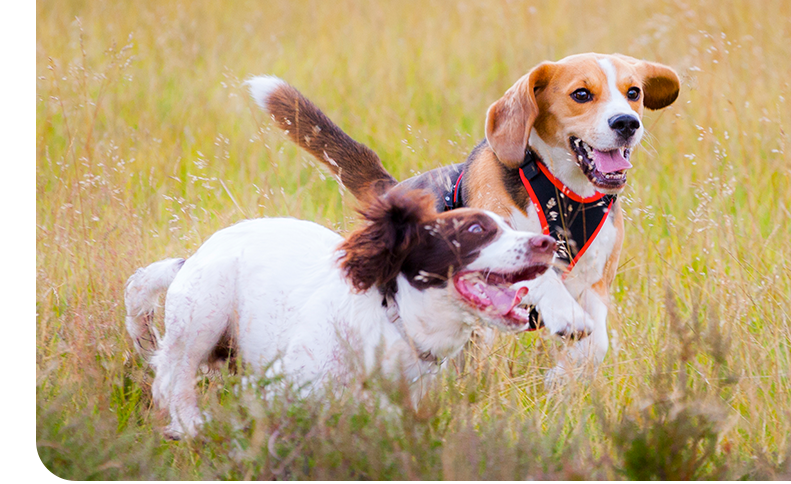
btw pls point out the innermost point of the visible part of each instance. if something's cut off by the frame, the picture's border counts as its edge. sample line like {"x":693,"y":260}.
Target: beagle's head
{"x":582,"y":115}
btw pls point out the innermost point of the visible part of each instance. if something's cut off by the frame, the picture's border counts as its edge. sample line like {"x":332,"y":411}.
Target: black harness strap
{"x":570,"y":219}
{"x":454,"y":197}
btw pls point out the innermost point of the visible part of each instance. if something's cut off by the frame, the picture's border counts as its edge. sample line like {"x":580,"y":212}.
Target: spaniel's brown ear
{"x":510,"y":119}
{"x":375,"y":252}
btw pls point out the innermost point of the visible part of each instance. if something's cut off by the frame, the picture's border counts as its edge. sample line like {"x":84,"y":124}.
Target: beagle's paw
{"x":560,"y":312}
{"x":565,"y":317}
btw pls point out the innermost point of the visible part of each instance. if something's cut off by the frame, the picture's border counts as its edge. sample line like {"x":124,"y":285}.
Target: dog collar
{"x":391,"y":310}
{"x":573,"y":221}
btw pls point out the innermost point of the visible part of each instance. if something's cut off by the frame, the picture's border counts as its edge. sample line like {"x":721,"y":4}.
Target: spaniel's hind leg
{"x":194,"y":327}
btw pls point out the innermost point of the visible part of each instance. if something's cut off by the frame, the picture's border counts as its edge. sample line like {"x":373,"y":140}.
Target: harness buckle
{"x":529,"y":166}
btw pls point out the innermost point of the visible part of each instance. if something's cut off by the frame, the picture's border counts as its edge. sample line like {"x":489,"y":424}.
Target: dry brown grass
{"x":147,"y":144}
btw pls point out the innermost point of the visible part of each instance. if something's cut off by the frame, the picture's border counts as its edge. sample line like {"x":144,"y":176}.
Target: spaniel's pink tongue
{"x":505,"y":300}
{"x":610,"y":161}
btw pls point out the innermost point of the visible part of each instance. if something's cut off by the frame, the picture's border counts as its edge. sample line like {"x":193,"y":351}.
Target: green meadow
{"x":147,"y":143}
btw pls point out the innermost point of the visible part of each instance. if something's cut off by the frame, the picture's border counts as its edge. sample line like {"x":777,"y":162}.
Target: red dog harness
{"x":570,"y":219}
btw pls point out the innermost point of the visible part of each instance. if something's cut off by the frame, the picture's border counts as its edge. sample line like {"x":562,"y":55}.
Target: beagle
{"x":556,"y":155}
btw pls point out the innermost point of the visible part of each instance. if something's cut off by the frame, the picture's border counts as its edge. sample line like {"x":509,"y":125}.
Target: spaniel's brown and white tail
{"x":140,"y":297}
{"x":357,"y":166}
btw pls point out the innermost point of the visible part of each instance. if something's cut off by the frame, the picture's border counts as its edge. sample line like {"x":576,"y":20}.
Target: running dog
{"x":403,"y":291}
{"x":557,"y":149}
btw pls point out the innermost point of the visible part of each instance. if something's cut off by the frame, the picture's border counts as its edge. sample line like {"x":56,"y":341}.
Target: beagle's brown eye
{"x":582,"y":95}
{"x":475,"y":229}
{"x":633,"y":94}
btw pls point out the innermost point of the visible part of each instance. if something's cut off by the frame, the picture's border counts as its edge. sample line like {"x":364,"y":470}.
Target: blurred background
{"x":147,"y":144}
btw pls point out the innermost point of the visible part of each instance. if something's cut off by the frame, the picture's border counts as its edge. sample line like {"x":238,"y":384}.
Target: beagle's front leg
{"x":585,"y":355}
{"x":560,"y":312}
{"x":592,"y":348}
{"x":595,"y":300}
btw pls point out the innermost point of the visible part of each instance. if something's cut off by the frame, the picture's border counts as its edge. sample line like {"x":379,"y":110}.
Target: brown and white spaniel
{"x":293,"y":298}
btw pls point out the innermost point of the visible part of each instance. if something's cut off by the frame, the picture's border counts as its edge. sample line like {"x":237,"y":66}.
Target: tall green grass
{"x":147,"y":144}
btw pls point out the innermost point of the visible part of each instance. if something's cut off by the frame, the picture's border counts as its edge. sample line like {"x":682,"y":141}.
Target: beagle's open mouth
{"x":492,"y":292}
{"x":605,"y":169}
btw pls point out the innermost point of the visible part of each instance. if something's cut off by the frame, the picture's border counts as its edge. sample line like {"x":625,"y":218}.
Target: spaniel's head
{"x":473,"y":250}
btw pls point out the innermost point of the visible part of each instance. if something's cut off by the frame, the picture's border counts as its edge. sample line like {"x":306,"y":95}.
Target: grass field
{"x":147,"y":143}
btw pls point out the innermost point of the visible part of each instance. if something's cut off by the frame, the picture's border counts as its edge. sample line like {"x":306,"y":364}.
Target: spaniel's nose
{"x":543,"y":244}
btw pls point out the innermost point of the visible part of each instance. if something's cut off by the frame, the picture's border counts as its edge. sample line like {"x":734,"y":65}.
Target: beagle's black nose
{"x":624,"y":124}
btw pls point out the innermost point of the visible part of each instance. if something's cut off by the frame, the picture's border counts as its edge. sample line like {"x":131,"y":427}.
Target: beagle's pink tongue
{"x":610,"y":161}
{"x":505,"y":300}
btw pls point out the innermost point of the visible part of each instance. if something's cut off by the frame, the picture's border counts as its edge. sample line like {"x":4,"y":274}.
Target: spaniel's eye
{"x":582,"y":95}
{"x":633,"y":94}
{"x":475,"y":229}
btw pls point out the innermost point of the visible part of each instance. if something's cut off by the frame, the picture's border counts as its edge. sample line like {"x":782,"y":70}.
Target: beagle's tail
{"x":356,"y":166}
{"x":140,"y":297}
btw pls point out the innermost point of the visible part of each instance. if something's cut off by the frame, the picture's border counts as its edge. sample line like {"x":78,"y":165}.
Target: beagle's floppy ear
{"x":510,"y":119}
{"x":660,"y":84}
{"x":375,"y":253}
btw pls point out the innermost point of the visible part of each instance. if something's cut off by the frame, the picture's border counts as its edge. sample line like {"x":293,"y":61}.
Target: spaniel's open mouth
{"x":605,"y":169}
{"x":492,"y":292}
